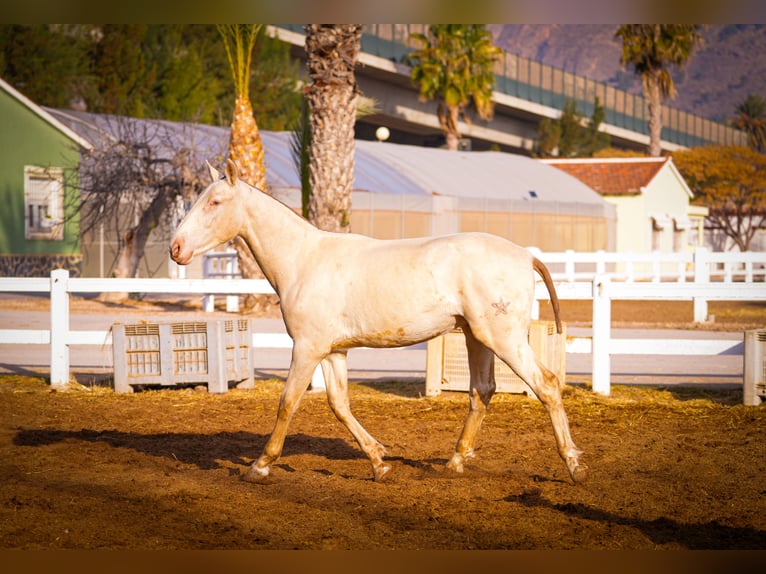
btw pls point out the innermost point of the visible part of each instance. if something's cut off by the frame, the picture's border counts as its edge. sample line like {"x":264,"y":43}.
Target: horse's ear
{"x":232,"y":172}
{"x":214,"y":175}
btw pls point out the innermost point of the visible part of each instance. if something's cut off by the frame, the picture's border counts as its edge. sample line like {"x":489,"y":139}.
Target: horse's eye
{"x":214,"y":202}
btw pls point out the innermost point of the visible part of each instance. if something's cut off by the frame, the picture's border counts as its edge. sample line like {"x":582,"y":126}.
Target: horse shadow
{"x":706,"y":536}
{"x":205,"y":451}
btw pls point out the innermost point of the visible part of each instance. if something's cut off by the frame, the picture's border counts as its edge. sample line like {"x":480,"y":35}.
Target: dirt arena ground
{"x":670,"y":468}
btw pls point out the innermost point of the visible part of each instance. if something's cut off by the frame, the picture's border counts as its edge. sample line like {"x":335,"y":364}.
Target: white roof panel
{"x":379,"y":167}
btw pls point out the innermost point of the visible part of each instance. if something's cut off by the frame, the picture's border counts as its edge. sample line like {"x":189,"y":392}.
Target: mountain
{"x":730,"y":65}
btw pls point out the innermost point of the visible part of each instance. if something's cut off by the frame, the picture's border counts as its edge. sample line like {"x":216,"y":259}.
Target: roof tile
{"x":611,"y":176}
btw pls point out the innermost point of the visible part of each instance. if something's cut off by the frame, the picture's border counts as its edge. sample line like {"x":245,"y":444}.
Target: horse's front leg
{"x":298,"y":378}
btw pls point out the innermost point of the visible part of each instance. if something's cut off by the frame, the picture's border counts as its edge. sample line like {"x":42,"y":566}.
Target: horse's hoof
{"x":455,"y":465}
{"x":579,"y":474}
{"x":256,"y":475}
{"x":381,"y":472}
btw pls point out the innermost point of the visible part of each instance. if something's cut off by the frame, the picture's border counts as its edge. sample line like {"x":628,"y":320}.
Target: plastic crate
{"x":754,"y":381}
{"x":212,"y":352}
{"x":447,"y":361}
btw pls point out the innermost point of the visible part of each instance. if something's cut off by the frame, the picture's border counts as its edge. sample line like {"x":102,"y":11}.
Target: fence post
{"x":602,"y":318}
{"x":232,"y":270}
{"x":535,"y":314}
{"x":218,"y":381}
{"x":656,"y":267}
{"x":569,"y":265}
{"x":59,"y":328}
{"x":600,"y":262}
{"x":701,"y":275}
{"x":208,"y":300}
{"x":318,"y":380}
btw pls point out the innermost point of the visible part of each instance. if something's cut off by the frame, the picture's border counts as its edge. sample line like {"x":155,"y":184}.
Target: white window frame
{"x":659,"y":224}
{"x":43,"y":203}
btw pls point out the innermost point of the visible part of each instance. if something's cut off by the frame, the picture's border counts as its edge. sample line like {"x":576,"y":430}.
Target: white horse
{"x":341,"y":290}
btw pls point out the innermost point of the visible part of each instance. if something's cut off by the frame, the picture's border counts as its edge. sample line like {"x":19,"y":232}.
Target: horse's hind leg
{"x":481,"y":365}
{"x":521,"y":358}
{"x":336,"y":380}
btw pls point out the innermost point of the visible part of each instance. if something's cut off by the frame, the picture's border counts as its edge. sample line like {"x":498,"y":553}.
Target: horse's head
{"x":215,"y":218}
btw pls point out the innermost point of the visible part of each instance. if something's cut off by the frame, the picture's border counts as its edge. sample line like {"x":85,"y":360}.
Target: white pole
{"x":317,"y":379}
{"x":602,"y":318}
{"x":59,"y":328}
{"x":701,"y":275}
{"x":101,"y":241}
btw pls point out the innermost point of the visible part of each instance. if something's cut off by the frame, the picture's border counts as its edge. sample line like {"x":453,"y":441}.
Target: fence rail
{"x":701,"y":267}
{"x":601,"y":290}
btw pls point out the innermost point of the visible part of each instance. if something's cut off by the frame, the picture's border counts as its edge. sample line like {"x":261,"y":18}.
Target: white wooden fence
{"x":601,"y":289}
{"x":700,"y":266}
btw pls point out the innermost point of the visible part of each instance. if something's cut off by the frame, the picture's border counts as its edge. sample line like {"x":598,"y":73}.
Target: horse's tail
{"x":540,"y":267}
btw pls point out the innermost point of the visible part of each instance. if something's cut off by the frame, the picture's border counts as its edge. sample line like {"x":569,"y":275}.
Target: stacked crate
{"x":447,"y":360}
{"x":212,"y":352}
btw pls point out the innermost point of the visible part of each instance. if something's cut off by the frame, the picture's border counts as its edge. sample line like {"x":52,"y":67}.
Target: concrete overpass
{"x":526,"y":92}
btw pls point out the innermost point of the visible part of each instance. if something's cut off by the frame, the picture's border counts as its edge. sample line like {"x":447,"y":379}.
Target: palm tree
{"x":455,"y":65}
{"x":751,"y":119}
{"x":332,"y":51}
{"x":651,"y":49}
{"x":245,"y":145}
{"x":300,"y":143}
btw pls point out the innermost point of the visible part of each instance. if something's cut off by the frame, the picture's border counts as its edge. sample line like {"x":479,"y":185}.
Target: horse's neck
{"x":279,"y":238}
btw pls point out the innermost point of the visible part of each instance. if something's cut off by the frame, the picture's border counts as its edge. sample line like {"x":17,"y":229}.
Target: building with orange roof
{"x":651,"y":198}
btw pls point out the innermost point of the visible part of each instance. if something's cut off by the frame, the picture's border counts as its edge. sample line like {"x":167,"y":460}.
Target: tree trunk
{"x":135,"y":240}
{"x":245,"y":144}
{"x":448,"y":119}
{"x":332,"y":54}
{"x":452,"y":140}
{"x":654,"y":102}
{"x":246,"y":148}
{"x":331,"y":158}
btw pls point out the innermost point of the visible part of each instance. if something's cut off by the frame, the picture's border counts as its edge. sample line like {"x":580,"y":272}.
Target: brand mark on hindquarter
{"x":500,"y":307}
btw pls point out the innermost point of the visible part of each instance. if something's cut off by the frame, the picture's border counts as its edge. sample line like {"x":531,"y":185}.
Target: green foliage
{"x":27,"y":54}
{"x":300,"y":142}
{"x":751,"y":119}
{"x":652,"y":48}
{"x":184,"y":61}
{"x":168,"y":71}
{"x":275,"y":83}
{"x":239,"y":40}
{"x":455,"y":65}
{"x":119,"y":65}
{"x":571,"y":135}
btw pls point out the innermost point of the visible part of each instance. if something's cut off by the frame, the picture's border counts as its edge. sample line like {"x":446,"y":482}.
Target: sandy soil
{"x":88,"y":468}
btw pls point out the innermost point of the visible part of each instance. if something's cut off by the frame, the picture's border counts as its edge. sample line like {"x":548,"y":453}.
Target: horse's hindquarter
{"x":364,"y":292}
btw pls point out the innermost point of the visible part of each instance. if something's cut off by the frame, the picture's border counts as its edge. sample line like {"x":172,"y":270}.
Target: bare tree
{"x":133,"y":180}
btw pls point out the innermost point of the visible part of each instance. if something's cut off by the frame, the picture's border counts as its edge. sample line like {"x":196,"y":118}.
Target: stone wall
{"x":39,"y":265}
